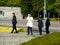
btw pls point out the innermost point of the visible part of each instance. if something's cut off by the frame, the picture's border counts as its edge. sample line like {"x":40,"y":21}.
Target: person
{"x":14,"y":22}
{"x":29,"y":24}
{"x":47,"y":25}
{"x":40,"y":25}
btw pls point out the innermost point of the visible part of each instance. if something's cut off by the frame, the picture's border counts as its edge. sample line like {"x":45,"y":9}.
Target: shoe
{"x":27,"y":34}
{"x":31,"y":34}
{"x":11,"y":32}
{"x":40,"y":33}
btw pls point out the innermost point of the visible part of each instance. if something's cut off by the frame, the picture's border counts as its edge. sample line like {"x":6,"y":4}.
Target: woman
{"x":29,"y":24}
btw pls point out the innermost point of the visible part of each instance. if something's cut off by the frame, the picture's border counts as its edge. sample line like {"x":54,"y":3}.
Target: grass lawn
{"x":9,"y":29}
{"x":50,"y":39}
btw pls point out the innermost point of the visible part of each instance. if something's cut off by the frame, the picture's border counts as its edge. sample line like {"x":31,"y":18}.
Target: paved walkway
{"x":16,"y":39}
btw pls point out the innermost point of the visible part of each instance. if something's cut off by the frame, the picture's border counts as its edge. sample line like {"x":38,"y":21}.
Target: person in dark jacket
{"x":14,"y":22}
{"x":40,"y":25}
{"x":47,"y":25}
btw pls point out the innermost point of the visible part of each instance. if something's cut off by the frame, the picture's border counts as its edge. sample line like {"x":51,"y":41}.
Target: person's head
{"x":13,"y":14}
{"x":29,"y":15}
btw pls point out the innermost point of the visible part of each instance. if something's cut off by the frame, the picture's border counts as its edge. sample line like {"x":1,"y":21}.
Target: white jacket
{"x":30,"y":21}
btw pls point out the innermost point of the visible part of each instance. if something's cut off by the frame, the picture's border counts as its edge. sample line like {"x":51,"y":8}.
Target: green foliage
{"x":13,"y":3}
{"x":53,"y":6}
{"x":9,"y":29}
{"x":26,"y":7}
{"x":36,"y":6}
{"x":2,"y":3}
{"x":51,"y":1}
{"x":57,"y":7}
{"x":22,"y":30}
{"x":50,"y":39}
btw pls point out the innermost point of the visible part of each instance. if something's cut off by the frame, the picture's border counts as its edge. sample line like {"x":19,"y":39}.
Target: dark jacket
{"x":14,"y":21}
{"x":40,"y":23}
{"x":47,"y":23}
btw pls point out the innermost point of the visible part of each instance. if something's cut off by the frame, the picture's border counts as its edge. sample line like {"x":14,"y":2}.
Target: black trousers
{"x":30,"y":30}
{"x":47,"y":29}
{"x":14,"y":28}
{"x":40,"y":30}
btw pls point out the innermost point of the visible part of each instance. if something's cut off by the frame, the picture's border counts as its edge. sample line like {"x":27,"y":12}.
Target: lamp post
{"x":44,"y":8}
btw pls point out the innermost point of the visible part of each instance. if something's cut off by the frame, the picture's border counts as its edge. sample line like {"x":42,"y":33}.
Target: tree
{"x":37,"y":6}
{"x":3,"y":2}
{"x":13,"y":3}
{"x":53,"y":5}
{"x":26,"y":7}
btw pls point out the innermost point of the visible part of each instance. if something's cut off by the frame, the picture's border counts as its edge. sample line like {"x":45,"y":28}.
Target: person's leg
{"x":40,"y":30}
{"x":31,"y":30}
{"x":28,"y":30}
{"x":12,"y":29}
{"x":15,"y":29}
{"x":47,"y":30}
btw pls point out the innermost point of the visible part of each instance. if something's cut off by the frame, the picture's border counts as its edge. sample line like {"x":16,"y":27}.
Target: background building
{"x":6,"y":12}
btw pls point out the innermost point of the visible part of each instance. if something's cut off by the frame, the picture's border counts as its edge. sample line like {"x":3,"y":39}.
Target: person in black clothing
{"x":47,"y":25}
{"x":14,"y":22}
{"x":40,"y":25}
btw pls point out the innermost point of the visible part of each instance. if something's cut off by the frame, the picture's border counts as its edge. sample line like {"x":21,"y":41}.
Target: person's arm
{"x":16,"y":19}
{"x":49,"y":23}
{"x":27,"y":18}
{"x":42,"y":23}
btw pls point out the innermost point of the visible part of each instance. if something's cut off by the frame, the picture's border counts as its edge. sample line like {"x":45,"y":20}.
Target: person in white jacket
{"x":29,"y":24}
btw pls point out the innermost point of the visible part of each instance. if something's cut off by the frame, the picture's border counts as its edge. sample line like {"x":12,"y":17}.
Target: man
{"x":14,"y":22}
{"x":47,"y":25}
{"x":29,"y":24}
{"x":40,"y":25}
